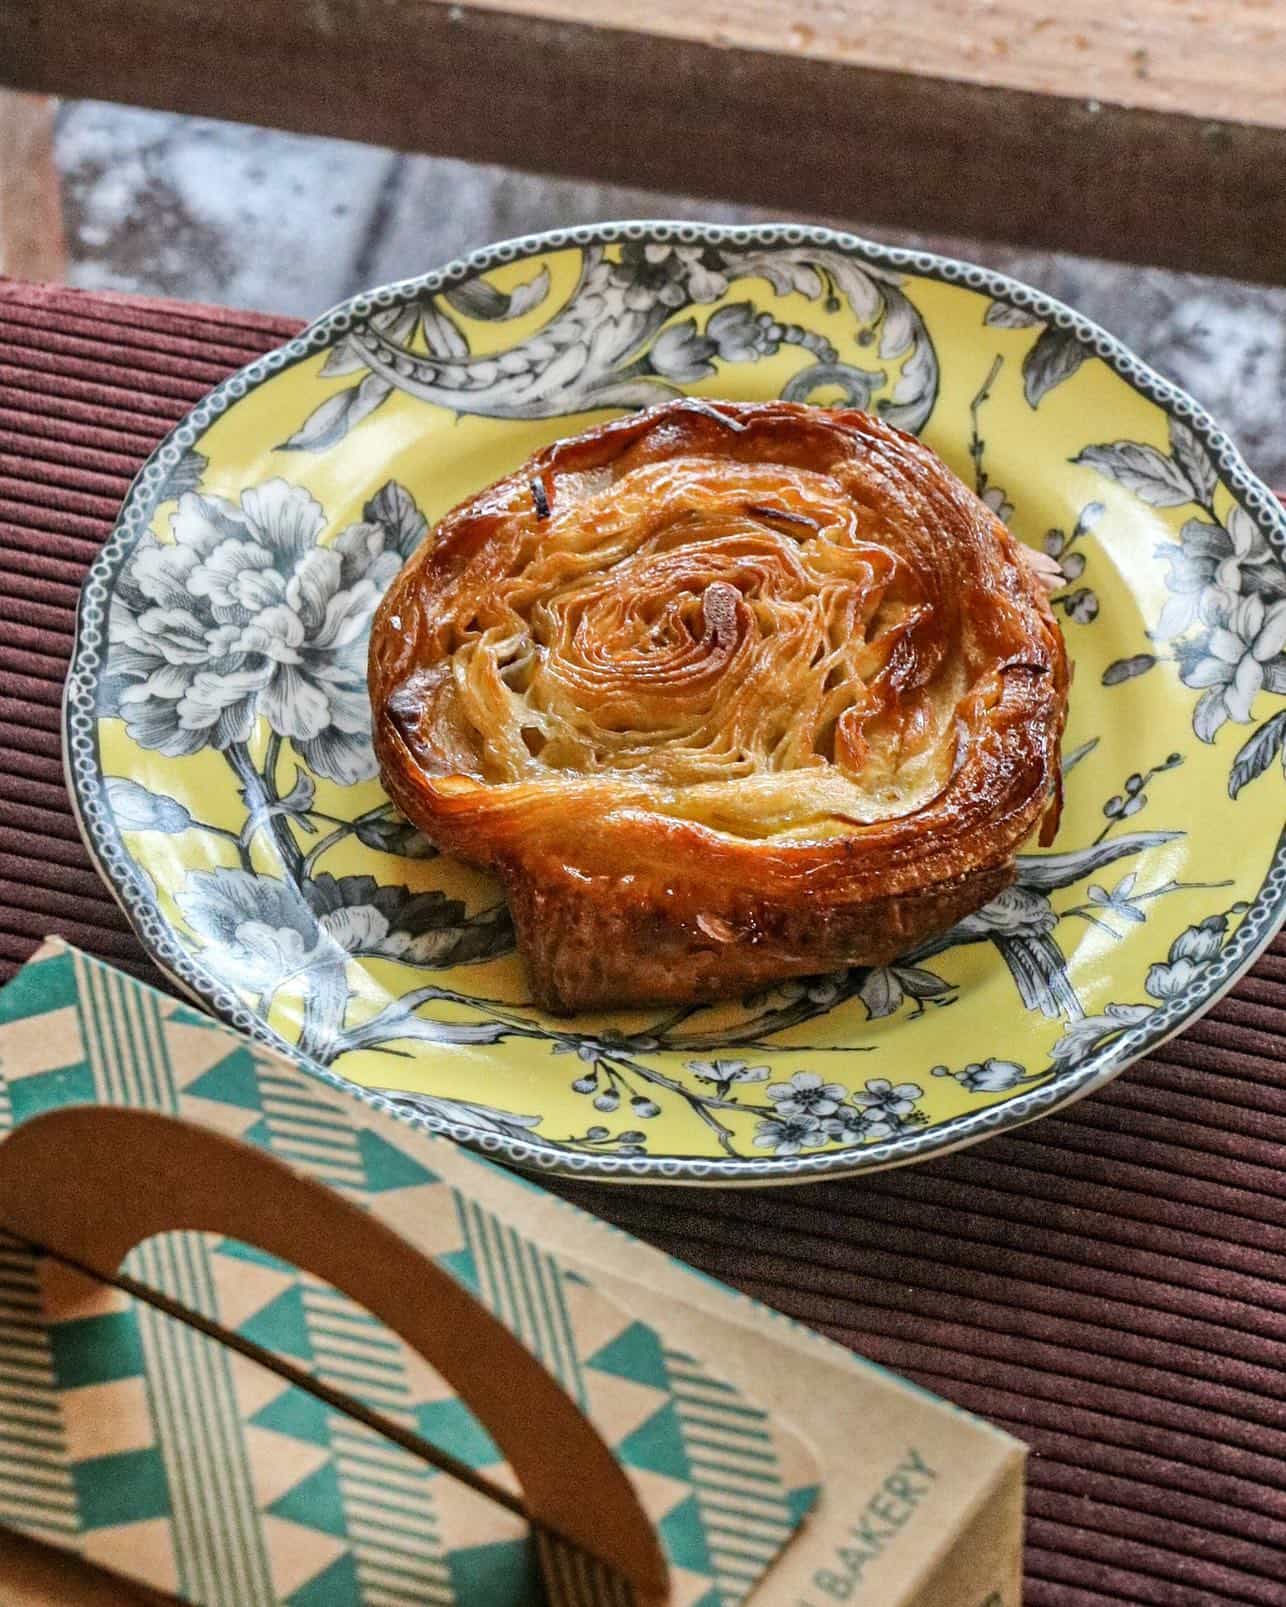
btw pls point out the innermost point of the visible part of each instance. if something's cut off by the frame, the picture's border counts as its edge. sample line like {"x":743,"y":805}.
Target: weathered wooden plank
{"x":906,"y":123}
{"x":32,"y":245}
{"x":1225,"y":59}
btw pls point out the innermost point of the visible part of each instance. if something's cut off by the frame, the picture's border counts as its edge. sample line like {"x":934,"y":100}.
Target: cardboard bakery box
{"x":261,"y":1343}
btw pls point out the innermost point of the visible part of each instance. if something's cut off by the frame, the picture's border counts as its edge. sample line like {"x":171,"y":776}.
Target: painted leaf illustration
{"x":393,"y":835}
{"x":857,"y":384}
{"x":328,"y":424}
{"x":480,"y":937}
{"x":1193,"y":459}
{"x":904,"y":335}
{"x":184,"y":476}
{"x":919,"y":983}
{"x":1140,"y":468}
{"x":785,"y":275}
{"x":860,"y":284}
{"x":1209,"y":715}
{"x":1125,"y":669}
{"x":1002,"y":315}
{"x":1046,"y":873}
{"x":394,"y":923}
{"x":881,"y":992}
{"x":1082,"y":751}
{"x":1055,"y":356}
{"x":479,"y":298}
{"x":1257,"y":753}
{"x":299,"y":800}
{"x":394,"y":508}
{"x":441,"y":337}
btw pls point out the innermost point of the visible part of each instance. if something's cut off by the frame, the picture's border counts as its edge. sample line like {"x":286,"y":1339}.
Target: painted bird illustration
{"x":1020,"y":922}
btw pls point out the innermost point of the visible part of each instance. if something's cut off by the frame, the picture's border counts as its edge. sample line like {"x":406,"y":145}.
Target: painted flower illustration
{"x":244,"y":615}
{"x":884,"y":1101}
{"x":1226,"y":583}
{"x":723,"y":1074}
{"x":787,"y":1135}
{"x":1213,"y":561}
{"x":1015,"y":911}
{"x":1120,"y":900}
{"x":1190,"y":953}
{"x":670,"y":274}
{"x":740,"y":335}
{"x":1229,"y":660}
{"x":261,"y":930}
{"x":138,"y":809}
{"x":806,"y":1095}
{"x":734,"y":334}
{"x":267,"y":930}
{"x":883,"y":1126}
{"x":681,"y":354}
{"x":850,"y":1126}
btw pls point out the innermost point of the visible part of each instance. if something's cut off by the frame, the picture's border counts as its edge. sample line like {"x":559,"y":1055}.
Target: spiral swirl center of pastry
{"x":724,"y":692}
{"x":694,"y":624}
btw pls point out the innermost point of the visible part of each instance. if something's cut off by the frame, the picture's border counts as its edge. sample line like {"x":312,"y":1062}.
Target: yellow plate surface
{"x":218,"y":738}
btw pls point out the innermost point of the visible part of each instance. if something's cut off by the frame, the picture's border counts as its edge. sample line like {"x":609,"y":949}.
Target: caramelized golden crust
{"x":725,"y":693}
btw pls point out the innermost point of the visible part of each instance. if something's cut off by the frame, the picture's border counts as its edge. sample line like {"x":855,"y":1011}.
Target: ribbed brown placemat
{"x":1109,"y":1284}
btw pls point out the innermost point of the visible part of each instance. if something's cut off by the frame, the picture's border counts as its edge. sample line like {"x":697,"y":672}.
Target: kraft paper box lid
{"x":509,"y":1402}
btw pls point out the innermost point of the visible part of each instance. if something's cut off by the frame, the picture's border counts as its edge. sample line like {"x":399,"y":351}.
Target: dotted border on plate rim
{"x":127,"y":881}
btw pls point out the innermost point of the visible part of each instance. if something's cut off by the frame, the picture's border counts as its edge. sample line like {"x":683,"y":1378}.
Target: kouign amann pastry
{"x":724,"y":693}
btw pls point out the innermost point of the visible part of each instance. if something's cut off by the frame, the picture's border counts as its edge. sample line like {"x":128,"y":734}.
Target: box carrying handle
{"x":89,"y":1183}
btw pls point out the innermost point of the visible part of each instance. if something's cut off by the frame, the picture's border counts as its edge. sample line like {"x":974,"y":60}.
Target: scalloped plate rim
{"x":1263,"y":918}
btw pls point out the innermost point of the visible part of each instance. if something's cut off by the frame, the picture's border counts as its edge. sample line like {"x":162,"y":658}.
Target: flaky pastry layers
{"x":724,"y":692}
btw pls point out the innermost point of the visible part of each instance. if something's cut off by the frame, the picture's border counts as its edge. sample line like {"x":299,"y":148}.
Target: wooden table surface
{"x":1150,"y":132}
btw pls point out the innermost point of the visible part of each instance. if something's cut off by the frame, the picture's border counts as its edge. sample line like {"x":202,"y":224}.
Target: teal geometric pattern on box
{"x":366,"y":1506}
{"x":495,"y":1573}
{"x":129,"y":1487}
{"x":68,"y":1085}
{"x":296,"y":1414}
{"x":236,"y":1475}
{"x":37,"y":1493}
{"x":734,"y":1473}
{"x":525,"y":1288}
{"x":41,"y":988}
{"x":96,"y":1350}
{"x":451,"y":1424}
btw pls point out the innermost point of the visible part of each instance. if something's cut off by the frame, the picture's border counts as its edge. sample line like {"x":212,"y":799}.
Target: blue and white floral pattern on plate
{"x":218,"y":730}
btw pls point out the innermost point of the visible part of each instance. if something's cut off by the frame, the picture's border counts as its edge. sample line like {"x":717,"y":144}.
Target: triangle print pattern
{"x":37,"y":1494}
{"x":150,"y":1447}
{"x":746,"y":1510}
{"x":523,"y":1286}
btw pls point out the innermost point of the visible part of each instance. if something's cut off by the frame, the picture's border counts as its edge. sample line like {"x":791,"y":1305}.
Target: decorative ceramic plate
{"x":217,"y":726}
